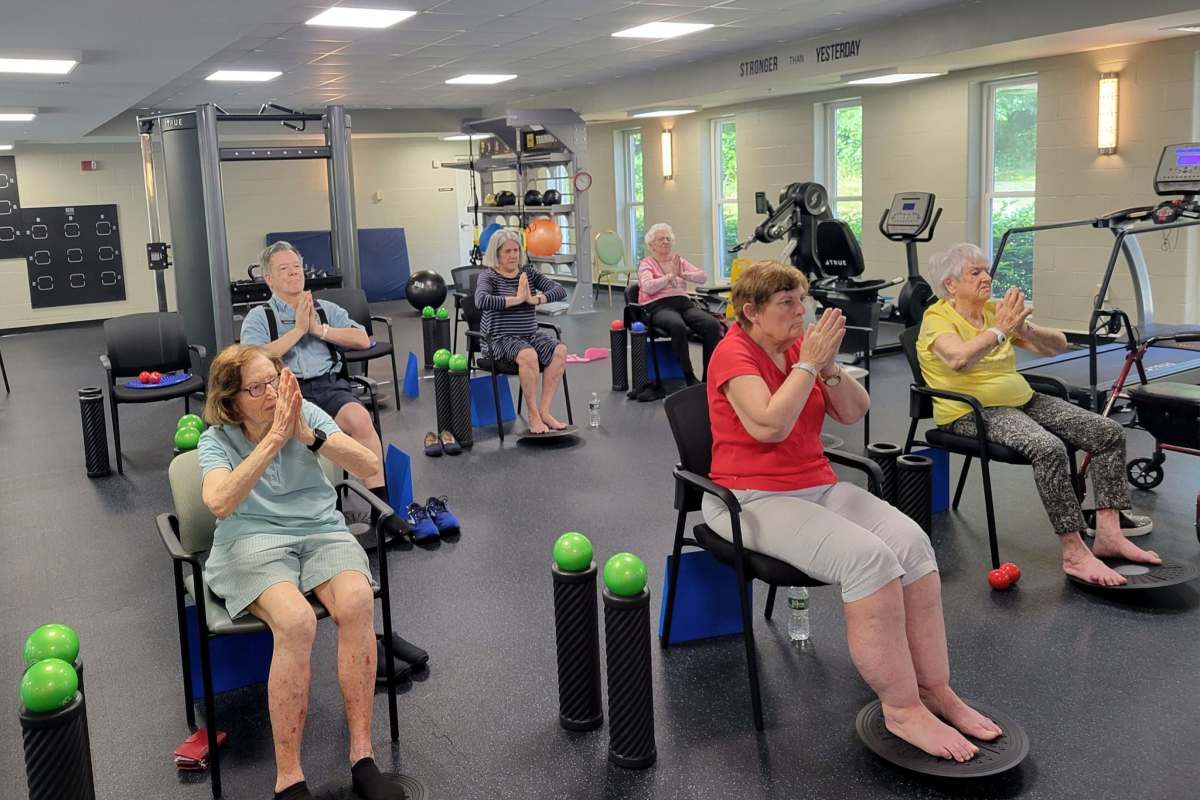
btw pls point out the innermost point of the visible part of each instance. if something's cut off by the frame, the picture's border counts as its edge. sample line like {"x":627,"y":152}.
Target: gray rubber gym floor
{"x":1105,"y":687}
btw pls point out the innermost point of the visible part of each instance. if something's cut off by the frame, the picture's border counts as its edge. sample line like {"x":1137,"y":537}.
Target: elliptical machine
{"x":911,"y":220}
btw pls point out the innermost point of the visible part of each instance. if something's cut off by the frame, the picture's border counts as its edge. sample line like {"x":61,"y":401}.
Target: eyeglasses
{"x":257,"y":389}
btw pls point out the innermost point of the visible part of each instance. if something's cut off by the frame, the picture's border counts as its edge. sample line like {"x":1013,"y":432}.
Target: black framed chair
{"x":355,"y":303}
{"x":476,"y":338}
{"x":687,"y":413}
{"x":154,"y":341}
{"x":463,"y":279}
{"x":187,"y":535}
{"x":920,"y":407}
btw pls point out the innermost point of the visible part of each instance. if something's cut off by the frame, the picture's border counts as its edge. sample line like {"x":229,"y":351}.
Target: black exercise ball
{"x":533,"y":197}
{"x":506,"y":198}
{"x":551,"y":197}
{"x":425,"y":288}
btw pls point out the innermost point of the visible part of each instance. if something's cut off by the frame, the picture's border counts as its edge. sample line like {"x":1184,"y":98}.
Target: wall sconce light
{"x":668,"y":166}
{"x":1106,"y":133}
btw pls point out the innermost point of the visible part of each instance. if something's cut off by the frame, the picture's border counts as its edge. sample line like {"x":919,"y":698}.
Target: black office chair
{"x":355,"y":303}
{"x":187,"y":535}
{"x":155,"y":342}
{"x":4,"y":372}
{"x":687,"y":412}
{"x":475,"y":340}
{"x":463,"y":279}
{"x":920,"y":407}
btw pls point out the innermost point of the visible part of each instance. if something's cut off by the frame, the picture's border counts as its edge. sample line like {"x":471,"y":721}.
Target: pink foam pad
{"x":590,"y":354}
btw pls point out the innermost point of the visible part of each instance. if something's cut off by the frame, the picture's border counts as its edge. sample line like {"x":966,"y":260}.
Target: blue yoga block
{"x":706,"y":602}
{"x":483,"y":404}
{"x":237,"y":661}
{"x":667,"y":361}
{"x":941,"y":476}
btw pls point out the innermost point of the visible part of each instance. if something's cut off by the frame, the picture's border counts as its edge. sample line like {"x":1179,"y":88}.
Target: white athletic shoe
{"x":1131,"y":524}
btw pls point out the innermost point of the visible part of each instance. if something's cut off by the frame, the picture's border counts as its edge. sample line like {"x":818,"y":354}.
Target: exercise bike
{"x":911,"y":220}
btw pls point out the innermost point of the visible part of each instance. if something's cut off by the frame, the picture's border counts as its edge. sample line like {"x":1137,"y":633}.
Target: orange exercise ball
{"x":543,"y":237}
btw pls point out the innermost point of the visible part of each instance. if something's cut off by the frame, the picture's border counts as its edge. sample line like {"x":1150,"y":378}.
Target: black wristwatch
{"x":318,"y":440}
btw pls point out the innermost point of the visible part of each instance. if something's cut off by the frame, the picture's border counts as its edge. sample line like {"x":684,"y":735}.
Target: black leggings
{"x":676,"y":316}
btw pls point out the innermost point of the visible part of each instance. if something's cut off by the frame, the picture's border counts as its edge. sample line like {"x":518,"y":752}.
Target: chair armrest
{"x":551,"y":326}
{"x":170,"y":539}
{"x":200,"y":350}
{"x":1048,"y":385}
{"x":387,"y":323}
{"x":104,"y":362}
{"x":387,"y":516}
{"x":370,"y":384}
{"x":873,"y":471}
{"x":976,"y":410}
{"x":705,"y":485}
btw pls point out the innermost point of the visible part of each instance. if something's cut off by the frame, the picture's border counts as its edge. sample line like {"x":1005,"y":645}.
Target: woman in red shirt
{"x":771,"y":383}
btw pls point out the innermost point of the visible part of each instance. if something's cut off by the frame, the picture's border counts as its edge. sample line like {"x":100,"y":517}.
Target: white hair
{"x":655,"y":228}
{"x":264,"y":258}
{"x":492,"y":254}
{"x":943,"y":266}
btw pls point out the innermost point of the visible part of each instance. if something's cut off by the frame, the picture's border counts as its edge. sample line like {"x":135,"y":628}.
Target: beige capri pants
{"x":839,"y":534}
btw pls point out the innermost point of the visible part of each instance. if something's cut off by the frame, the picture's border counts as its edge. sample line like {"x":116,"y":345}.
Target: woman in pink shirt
{"x":663,"y":277}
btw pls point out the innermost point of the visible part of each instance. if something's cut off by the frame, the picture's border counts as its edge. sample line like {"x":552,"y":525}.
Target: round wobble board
{"x":412,"y":787}
{"x":1145,"y":576}
{"x":994,"y":757}
{"x":559,"y":437}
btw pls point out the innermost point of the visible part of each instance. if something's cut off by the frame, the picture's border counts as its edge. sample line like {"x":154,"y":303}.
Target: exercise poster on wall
{"x":11,"y":245}
{"x":73,"y":254}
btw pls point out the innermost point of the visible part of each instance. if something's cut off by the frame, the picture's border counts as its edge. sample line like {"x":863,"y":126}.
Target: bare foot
{"x":1088,"y":568}
{"x":920,"y":728}
{"x":536,"y":424}
{"x":552,"y":422}
{"x":949,"y":706}
{"x":1115,"y":545}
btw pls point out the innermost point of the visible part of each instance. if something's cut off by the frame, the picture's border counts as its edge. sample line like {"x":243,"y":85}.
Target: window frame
{"x":716,"y":191}
{"x":830,"y":153}
{"x":627,"y":202}
{"x":987,"y":192}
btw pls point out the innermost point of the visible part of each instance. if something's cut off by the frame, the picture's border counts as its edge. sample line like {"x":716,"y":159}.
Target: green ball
{"x":49,"y":685}
{"x":51,"y":641}
{"x":625,"y":575}
{"x":191,"y":421}
{"x":458,"y":363}
{"x":187,"y":438}
{"x":441,"y":358}
{"x":572,"y":552}
{"x":443,"y":313}
{"x":427,"y":311}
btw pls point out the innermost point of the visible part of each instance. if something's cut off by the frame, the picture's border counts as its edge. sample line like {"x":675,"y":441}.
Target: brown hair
{"x":225,"y":381}
{"x":759,"y":281}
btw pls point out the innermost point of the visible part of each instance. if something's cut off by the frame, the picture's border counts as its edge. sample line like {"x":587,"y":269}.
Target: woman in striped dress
{"x":508,"y":294}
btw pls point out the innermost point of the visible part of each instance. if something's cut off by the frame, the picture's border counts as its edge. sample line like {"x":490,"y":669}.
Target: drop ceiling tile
{"x":485,"y":7}
{"x":573,"y":9}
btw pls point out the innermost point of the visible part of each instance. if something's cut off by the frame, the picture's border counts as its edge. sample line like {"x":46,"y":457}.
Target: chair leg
{"x":210,"y":711}
{"x":673,"y":581}
{"x":748,"y":638}
{"x":116,"y":426}
{"x":912,"y":434}
{"x":4,"y":372}
{"x":567,"y":399}
{"x":1076,"y":482}
{"x":991,"y":513}
{"x":770,"y":603}
{"x":185,"y":654}
{"x":962,"y":481}
{"x":396,"y":379}
{"x":496,"y":401}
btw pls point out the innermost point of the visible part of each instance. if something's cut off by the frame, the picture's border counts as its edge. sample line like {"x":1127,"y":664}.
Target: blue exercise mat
{"x":706,"y":600}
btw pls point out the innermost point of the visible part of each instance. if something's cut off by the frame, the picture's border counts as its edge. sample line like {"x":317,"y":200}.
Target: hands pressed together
{"x":289,"y":423}
{"x":1012,"y":312}
{"x":307,"y":320}
{"x":823,"y":339}
{"x":525,"y":294}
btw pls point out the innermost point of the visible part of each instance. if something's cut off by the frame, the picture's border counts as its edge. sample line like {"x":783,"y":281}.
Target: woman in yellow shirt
{"x":966,"y":345}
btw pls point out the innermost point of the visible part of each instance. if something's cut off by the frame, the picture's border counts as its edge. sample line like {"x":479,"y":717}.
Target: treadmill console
{"x":1178,"y":170}
{"x":909,"y":215}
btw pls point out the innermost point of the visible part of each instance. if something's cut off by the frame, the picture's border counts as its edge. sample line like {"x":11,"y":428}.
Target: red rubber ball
{"x":617,"y":325}
{"x":999,"y":579}
{"x":155,"y":377}
{"x":144,"y":376}
{"x":1012,"y":571}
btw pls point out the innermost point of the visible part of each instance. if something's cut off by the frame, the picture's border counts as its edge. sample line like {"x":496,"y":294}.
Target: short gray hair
{"x":493,"y":248}
{"x":264,"y":258}
{"x":655,"y":228}
{"x":949,"y":264}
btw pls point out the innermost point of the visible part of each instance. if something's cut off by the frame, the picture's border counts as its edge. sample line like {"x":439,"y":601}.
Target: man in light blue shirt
{"x":306,"y":334}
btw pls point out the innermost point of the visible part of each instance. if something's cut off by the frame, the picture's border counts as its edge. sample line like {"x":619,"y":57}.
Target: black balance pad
{"x":412,"y":787}
{"x":1145,"y":576}
{"x":994,"y":757}
{"x":524,"y":435}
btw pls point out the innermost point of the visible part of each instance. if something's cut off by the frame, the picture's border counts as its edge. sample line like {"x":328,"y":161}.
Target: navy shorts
{"x":329,"y":392}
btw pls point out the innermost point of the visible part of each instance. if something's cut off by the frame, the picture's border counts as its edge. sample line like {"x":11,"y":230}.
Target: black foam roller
{"x":441,"y":398}
{"x":637,"y":360}
{"x":460,"y":408}
{"x":95,"y":432}
{"x":630,"y":691}
{"x":620,"y":374}
{"x":577,"y":633}
{"x":885,"y":454}
{"x":914,"y":489}
{"x":58,"y":765}
{"x":441,"y":336}
{"x":429,"y":339}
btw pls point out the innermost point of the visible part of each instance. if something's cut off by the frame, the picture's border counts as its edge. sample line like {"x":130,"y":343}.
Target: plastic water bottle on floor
{"x":797,"y":599}
{"x":594,"y":411}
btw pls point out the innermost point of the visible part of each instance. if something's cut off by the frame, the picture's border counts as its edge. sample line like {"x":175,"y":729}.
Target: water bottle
{"x":594,"y":411}
{"x":798,"y":617}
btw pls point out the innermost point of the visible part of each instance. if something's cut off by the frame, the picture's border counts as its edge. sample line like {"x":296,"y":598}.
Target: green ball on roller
{"x":572,"y":552}
{"x":187,"y":439}
{"x":625,"y":575}
{"x":51,"y":641}
{"x":443,"y":313}
{"x":191,"y":421}
{"x":49,"y":685}
{"x":441,"y":358}
{"x":427,"y":312}
{"x":458,"y":363}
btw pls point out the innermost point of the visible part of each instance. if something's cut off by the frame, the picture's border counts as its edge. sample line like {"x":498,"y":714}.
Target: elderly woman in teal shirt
{"x":279,"y":534}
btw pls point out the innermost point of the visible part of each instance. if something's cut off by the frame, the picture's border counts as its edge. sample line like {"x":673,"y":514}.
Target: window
{"x":724,"y":191}
{"x":631,"y":198}
{"x":844,"y":147}
{"x":1009,"y":181}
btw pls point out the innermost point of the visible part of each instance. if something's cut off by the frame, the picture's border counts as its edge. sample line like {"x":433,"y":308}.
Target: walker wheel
{"x":1143,"y":473}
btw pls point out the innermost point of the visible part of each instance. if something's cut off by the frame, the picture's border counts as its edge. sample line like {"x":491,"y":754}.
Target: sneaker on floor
{"x":423,"y":528}
{"x":446,"y":522}
{"x":1131,"y":524}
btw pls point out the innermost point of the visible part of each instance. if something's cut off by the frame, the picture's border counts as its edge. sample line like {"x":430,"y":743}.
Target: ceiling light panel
{"x":244,"y":75}
{"x":37,"y":66}
{"x":893,"y":78}
{"x":478,"y":79}
{"x":345,"y":17}
{"x":663,"y":30}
